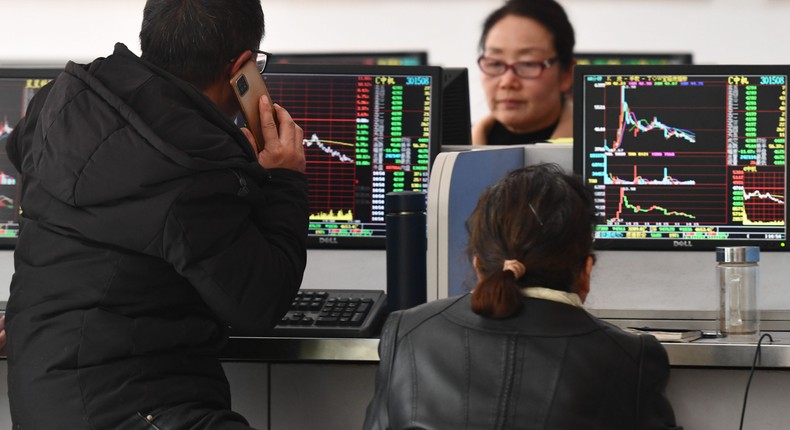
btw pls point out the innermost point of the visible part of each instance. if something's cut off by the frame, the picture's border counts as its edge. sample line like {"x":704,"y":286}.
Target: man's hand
{"x":282,"y":143}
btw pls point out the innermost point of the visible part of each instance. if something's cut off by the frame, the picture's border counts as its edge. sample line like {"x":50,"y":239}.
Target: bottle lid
{"x":737,"y":254}
{"x":404,"y":201}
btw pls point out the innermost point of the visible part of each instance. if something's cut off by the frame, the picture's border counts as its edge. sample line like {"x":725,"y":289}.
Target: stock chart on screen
{"x":368,"y":131}
{"x":687,"y":157}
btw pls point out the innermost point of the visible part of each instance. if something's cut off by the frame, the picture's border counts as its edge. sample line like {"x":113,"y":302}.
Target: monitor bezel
{"x":684,"y":58}
{"x":13,"y":72}
{"x":676,"y":69}
{"x":421,"y":56}
{"x":23,"y":72}
{"x":436,"y":73}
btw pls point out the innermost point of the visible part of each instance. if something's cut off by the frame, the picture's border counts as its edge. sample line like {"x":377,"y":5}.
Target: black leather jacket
{"x":553,"y":366}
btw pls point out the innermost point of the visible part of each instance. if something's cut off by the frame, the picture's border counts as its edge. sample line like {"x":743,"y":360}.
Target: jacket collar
{"x":538,"y":317}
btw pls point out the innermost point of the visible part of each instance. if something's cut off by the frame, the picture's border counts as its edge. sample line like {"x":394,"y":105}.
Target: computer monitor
{"x":402,"y":58}
{"x":632,"y":58}
{"x":456,"y":109}
{"x":17,"y":87}
{"x":369,"y":130}
{"x":684,"y":157}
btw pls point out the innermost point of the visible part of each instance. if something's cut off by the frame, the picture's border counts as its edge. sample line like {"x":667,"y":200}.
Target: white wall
{"x":715,"y":31}
{"x":49,"y":32}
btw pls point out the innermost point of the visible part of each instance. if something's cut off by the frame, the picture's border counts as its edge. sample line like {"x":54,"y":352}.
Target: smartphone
{"x":248,"y":86}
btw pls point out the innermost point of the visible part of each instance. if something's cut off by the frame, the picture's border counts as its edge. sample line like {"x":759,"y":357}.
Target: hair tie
{"x":514,"y":266}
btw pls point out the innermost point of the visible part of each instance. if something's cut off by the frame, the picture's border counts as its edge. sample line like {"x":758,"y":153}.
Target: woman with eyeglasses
{"x":526,"y":68}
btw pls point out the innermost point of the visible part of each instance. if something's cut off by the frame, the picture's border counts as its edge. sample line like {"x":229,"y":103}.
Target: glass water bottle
{"x":737,"y":275}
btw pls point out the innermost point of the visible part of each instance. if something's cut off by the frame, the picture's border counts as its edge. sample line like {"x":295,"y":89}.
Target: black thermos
{"x":407,"y":248}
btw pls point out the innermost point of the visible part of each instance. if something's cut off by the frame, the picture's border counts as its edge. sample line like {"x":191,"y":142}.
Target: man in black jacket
{"x":150,"y":226}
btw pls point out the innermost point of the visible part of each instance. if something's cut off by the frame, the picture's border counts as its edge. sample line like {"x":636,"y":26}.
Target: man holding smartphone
{"x":150,"y":227}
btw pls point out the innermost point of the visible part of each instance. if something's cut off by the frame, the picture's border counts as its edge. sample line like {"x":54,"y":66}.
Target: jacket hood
{"x":117,"y":127}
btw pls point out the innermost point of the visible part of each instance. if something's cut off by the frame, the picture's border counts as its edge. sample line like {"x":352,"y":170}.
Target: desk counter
{"x":722,"y":352}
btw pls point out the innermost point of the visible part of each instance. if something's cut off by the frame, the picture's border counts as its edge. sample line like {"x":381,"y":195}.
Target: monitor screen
{"x":684,"y":157}
{"x":368,"y":130}
{"x":632,"y":58}
{"x":415,"y":58}
{"x":17,"y":87}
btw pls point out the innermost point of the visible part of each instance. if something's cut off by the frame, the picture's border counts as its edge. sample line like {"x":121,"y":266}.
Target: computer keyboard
{"x":334,"y":313}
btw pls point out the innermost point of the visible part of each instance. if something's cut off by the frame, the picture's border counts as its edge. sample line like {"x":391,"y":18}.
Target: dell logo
{"x":329,"y":240}
{"x":682,"y":244}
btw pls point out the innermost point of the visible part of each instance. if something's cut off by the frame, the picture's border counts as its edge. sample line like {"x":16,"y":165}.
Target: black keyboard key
{"x":357,"y":319}
{"x":326,"y":321}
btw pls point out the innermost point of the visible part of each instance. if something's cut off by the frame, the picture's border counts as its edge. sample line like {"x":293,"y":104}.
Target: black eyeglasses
{"x":262,"y":59}
{"x":522,"y":69}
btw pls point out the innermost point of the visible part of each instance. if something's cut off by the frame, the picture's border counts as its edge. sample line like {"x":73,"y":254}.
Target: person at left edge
{"x":150,"y":226}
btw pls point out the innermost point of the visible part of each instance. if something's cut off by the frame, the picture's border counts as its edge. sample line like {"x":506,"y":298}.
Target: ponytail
{"x":497,"y":296}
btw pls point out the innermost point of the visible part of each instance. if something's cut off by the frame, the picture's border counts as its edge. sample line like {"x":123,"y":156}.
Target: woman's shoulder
{"x":412,"y":318}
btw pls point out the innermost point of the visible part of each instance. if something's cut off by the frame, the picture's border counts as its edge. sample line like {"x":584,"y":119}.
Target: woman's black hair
{"x":548,"y":13}
{"x":539,"y":216}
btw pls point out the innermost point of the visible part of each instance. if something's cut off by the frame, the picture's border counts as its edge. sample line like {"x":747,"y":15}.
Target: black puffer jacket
{"x":149,"y":229}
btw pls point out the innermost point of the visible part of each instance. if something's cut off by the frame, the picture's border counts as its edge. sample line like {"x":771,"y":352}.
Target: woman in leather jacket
{"x":520,"y":351}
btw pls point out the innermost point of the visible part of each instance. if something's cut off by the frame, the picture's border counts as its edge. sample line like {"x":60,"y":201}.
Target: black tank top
{"x":499,"y":135}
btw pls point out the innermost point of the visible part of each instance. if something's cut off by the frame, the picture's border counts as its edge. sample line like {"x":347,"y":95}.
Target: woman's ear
{"x":583,"y":281}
